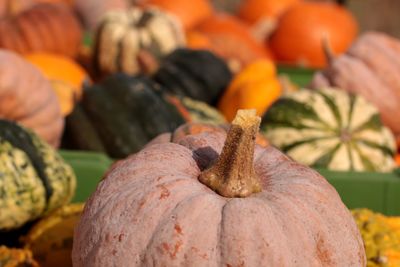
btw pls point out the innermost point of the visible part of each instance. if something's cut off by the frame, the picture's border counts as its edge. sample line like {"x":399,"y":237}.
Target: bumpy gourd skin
{"x":381,"y":237}
{"x":34,"y":179}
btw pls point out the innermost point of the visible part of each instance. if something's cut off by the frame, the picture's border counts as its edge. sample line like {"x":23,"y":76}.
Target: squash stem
{"x":233,"y":175}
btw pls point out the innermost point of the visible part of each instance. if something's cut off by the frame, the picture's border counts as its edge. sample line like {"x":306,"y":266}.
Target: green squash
{"x":331,"y":129}
{"x":34,"y":179}
{"x":202,"y":112}
{"x":197,"y":74}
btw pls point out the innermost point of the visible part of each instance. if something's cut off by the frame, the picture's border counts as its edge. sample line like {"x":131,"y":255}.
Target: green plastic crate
{"x":377,"y":191}
{"x":300,"y":76}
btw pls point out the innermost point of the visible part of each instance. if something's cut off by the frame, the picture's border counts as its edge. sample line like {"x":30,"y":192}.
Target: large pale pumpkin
{"x":122,"y":35}
{"x":35,"y":180}
{"x":370,"y":68}
{"x":26,"y":96}
{"x":189,"y":204}
{"x":328,"y":128}
{"x":45,"y":27}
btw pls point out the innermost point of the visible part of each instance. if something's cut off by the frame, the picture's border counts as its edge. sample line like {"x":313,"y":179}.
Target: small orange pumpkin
{"x":190,"y":13}
{"x":231,"y":39}
{"x":301,"y":31}
{"x":66,"y":77}
{"x":256,"y":86}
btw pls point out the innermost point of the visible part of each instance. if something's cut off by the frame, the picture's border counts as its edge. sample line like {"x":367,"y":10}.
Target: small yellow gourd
{"x":255,"y":87}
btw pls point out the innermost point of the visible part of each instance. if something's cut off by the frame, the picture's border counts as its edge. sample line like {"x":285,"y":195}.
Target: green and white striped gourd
{"x":123,"y":34}
{"x":329,"y":128}
{"x":34,"y":179}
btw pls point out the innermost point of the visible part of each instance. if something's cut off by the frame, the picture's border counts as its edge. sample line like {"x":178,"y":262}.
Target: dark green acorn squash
{"x":196,"y":74}
{"x":123,"y":113}
{"x":34,"y":179}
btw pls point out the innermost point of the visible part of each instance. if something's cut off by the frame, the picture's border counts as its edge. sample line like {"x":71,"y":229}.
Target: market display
{"x":199,"y":133}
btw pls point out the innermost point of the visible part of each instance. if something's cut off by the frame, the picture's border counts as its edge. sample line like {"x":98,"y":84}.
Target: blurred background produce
{"x":100,"y":79}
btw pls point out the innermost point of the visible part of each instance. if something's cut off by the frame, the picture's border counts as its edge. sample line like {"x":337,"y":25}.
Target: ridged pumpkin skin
{"x":29,"y":100}
{"x":122,"y":35}
{"x":151,"y":210}
{"x":35,"y":179}
{"x":328,"y":128}
{"x":198,"y":74}
{"x":369,"y":68}
{"x":66,"y":76}
{"x":44,"y":27}
{"x":301,"y":30}
{"x":256,"y":86}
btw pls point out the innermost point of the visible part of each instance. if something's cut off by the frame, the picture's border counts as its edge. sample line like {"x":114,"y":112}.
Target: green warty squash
{"x":34,"y":179}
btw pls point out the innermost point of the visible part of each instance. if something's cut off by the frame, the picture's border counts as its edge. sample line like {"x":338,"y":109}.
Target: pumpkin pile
{"x":152,"y":84}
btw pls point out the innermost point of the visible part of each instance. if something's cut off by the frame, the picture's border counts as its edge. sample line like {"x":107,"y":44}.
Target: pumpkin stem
{"x":233,"y":175}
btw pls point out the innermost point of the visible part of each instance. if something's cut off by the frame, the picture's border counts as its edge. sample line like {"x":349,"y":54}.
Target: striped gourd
{"x":122,"y":35}
{"x":34,"y":179}
{"x":332,"y":129}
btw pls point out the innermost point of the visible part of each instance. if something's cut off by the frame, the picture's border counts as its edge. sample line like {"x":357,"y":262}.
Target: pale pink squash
{"x":370,"y":68}
{"x":189,"y":204}
{"x":27,"y":97}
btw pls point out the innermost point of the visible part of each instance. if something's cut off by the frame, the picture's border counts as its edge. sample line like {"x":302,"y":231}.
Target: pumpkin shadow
{"x":205,"y":157}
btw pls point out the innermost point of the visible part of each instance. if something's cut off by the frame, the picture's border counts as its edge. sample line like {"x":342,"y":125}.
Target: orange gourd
{"x":66,"y":76}
{"x":256,"y":86}
{"x":253,"y":11}
{"x":43,"y":27}
{"x":301,"y":31}
{"x":232,"y":40}
{"x":190,"y":13}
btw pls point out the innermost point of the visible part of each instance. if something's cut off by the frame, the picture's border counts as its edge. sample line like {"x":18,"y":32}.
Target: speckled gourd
{"x":35,"y":180}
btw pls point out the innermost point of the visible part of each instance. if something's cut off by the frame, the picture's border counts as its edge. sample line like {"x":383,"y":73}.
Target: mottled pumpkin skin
{"x":151,"y":210}
{"x":29,"y":98}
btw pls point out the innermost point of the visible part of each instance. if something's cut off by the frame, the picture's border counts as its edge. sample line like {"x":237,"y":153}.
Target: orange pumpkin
{"x":253,"y":11}
{"x":9,"y":7}
{"x":303,"y":28}
{"x":66,"y":76}
{"x":44,"y":27}
{"x":230,"y":39}
{"x":190,"y":13}
{"x":255,"y":87}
